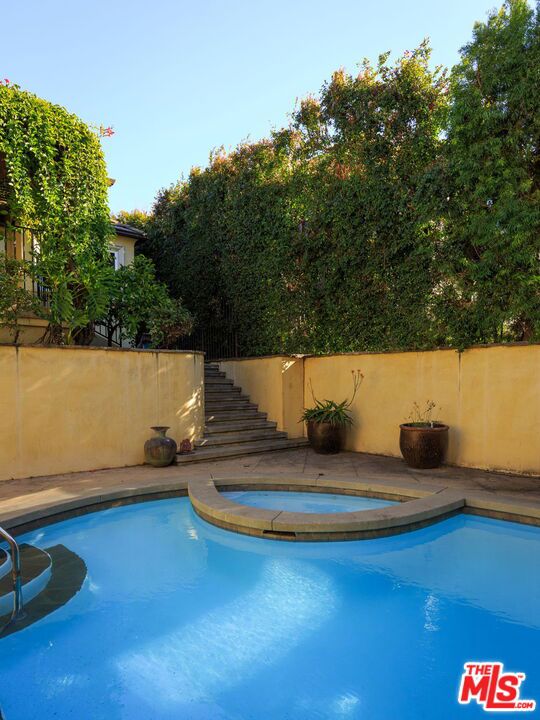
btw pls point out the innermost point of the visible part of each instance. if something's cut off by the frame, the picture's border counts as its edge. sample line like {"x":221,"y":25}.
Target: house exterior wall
{"x":490,"y":397}
{"x":66,"y":409}
{"x":128,"y":246}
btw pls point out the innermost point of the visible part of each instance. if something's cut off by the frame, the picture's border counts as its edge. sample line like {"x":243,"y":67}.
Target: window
{"x":117,"y":256}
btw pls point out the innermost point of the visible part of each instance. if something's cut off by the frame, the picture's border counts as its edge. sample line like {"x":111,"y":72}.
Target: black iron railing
{"x":217,"y":337}
{"x":112,"y":340}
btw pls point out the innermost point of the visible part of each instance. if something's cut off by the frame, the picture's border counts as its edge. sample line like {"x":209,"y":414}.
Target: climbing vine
{"x":57,"y":184}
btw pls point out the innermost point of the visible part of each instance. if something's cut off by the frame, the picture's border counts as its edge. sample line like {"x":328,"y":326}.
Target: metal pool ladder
{"x":15,"y":576}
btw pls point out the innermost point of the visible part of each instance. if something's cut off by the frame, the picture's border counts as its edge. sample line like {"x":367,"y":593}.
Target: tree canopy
{"x":399,"y":209}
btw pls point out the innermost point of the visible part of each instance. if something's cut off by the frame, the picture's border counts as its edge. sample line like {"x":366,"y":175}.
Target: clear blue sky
{"x":178,"y":78}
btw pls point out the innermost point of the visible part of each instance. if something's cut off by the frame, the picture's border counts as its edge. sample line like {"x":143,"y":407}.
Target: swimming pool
{"x":180,"y":619}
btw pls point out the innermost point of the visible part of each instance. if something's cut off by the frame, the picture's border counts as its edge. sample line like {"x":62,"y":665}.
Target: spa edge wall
{"x":490,"y":397}
{"x":71,"y":409}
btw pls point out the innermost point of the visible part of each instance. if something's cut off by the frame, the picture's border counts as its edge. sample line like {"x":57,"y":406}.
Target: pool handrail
{"x":15,"y":575}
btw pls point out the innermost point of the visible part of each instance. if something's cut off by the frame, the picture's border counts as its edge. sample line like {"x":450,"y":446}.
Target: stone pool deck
{"x":34,"y":500}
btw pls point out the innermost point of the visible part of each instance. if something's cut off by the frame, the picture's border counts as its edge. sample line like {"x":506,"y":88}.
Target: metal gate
{"x":217,"y":337}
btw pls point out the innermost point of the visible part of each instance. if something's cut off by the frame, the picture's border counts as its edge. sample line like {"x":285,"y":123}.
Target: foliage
{"x":138,"y":301}
{"x":136,"y":218}
{"x":398,"y":209}
{"x":422,"y":417}
{"x":169,"y":323}
{"x":329,"y":411}
{"x":491,"y":289}
{"x":16,"y":300}
{"x":58,"y":185}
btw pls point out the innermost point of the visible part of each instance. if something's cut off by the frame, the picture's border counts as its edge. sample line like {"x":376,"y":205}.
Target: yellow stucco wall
{"x":128,"y":243}
{"x":275,"y":384}
{"x":490,"y":397}
{"x":31,"y":330}
{"x":70,"y":409}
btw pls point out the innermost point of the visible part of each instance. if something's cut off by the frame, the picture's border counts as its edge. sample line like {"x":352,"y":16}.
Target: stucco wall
{"x":275,"y":384}
{"x":490,"y":397}
{"x":70,"y":409}
{"x":128,"y":244}
{"x":31,"y":330}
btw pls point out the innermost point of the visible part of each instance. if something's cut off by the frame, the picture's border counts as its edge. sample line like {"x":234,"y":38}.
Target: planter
{"x":423,"y":446}
{"x":160,"y":450}
{"x":325,"y":438}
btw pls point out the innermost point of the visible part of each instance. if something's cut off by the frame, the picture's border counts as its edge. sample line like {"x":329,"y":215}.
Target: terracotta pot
{"x":423,"y":446}
{"x":325,"y":438}
{"x":160,"y":450}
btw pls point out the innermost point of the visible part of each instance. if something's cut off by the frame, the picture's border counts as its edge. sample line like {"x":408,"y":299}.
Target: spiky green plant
{"x":329,"y":411}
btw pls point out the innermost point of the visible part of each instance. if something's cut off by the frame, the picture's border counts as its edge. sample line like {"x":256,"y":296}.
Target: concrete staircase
{"x":233,"y":425}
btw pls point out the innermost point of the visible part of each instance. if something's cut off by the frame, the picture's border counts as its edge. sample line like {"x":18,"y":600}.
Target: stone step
{"x":242,"y":436}
{"x":221,"y":386}
{"x":215,"y":405}
{"x":226,"y":426}
{"x":234,"y":415}
{"x":218,"y":381}
{"x":227,"y":451}
{"x":211,"y":366}
{"x":219,"y":394}
{"x":227,"y":399}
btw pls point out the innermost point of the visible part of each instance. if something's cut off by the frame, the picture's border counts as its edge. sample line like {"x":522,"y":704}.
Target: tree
{"x":397,"y":210}
{"x":314,"y":237}
{"x":139,"y":302}
{"x":136,"y":218}
{"x":491,"y":290}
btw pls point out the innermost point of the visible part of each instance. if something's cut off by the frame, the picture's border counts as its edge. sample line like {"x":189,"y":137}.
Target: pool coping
{"x":418,"y":509}
{"x":421,"y":504}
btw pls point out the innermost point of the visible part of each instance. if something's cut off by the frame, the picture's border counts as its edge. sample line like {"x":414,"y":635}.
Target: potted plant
{"x":423,"y":442}
{"x":328,"y":420}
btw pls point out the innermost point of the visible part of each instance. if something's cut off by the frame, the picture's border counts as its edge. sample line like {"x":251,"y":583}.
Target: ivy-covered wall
{"x":57,"y":184}
{"x":399,"y":209}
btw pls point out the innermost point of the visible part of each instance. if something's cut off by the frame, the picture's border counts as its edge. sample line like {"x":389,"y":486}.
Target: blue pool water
{"x":178,"y":619}
{"x":305,"y":501}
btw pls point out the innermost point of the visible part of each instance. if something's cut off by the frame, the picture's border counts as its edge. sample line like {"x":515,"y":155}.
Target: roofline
{"x":128,"y":231}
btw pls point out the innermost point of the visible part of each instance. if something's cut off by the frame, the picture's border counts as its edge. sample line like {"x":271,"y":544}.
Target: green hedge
{"x":400,"y":209}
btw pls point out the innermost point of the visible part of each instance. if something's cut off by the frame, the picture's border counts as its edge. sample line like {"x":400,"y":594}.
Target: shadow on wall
{"x":488,"y":395}
{"x":72,"y":409}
